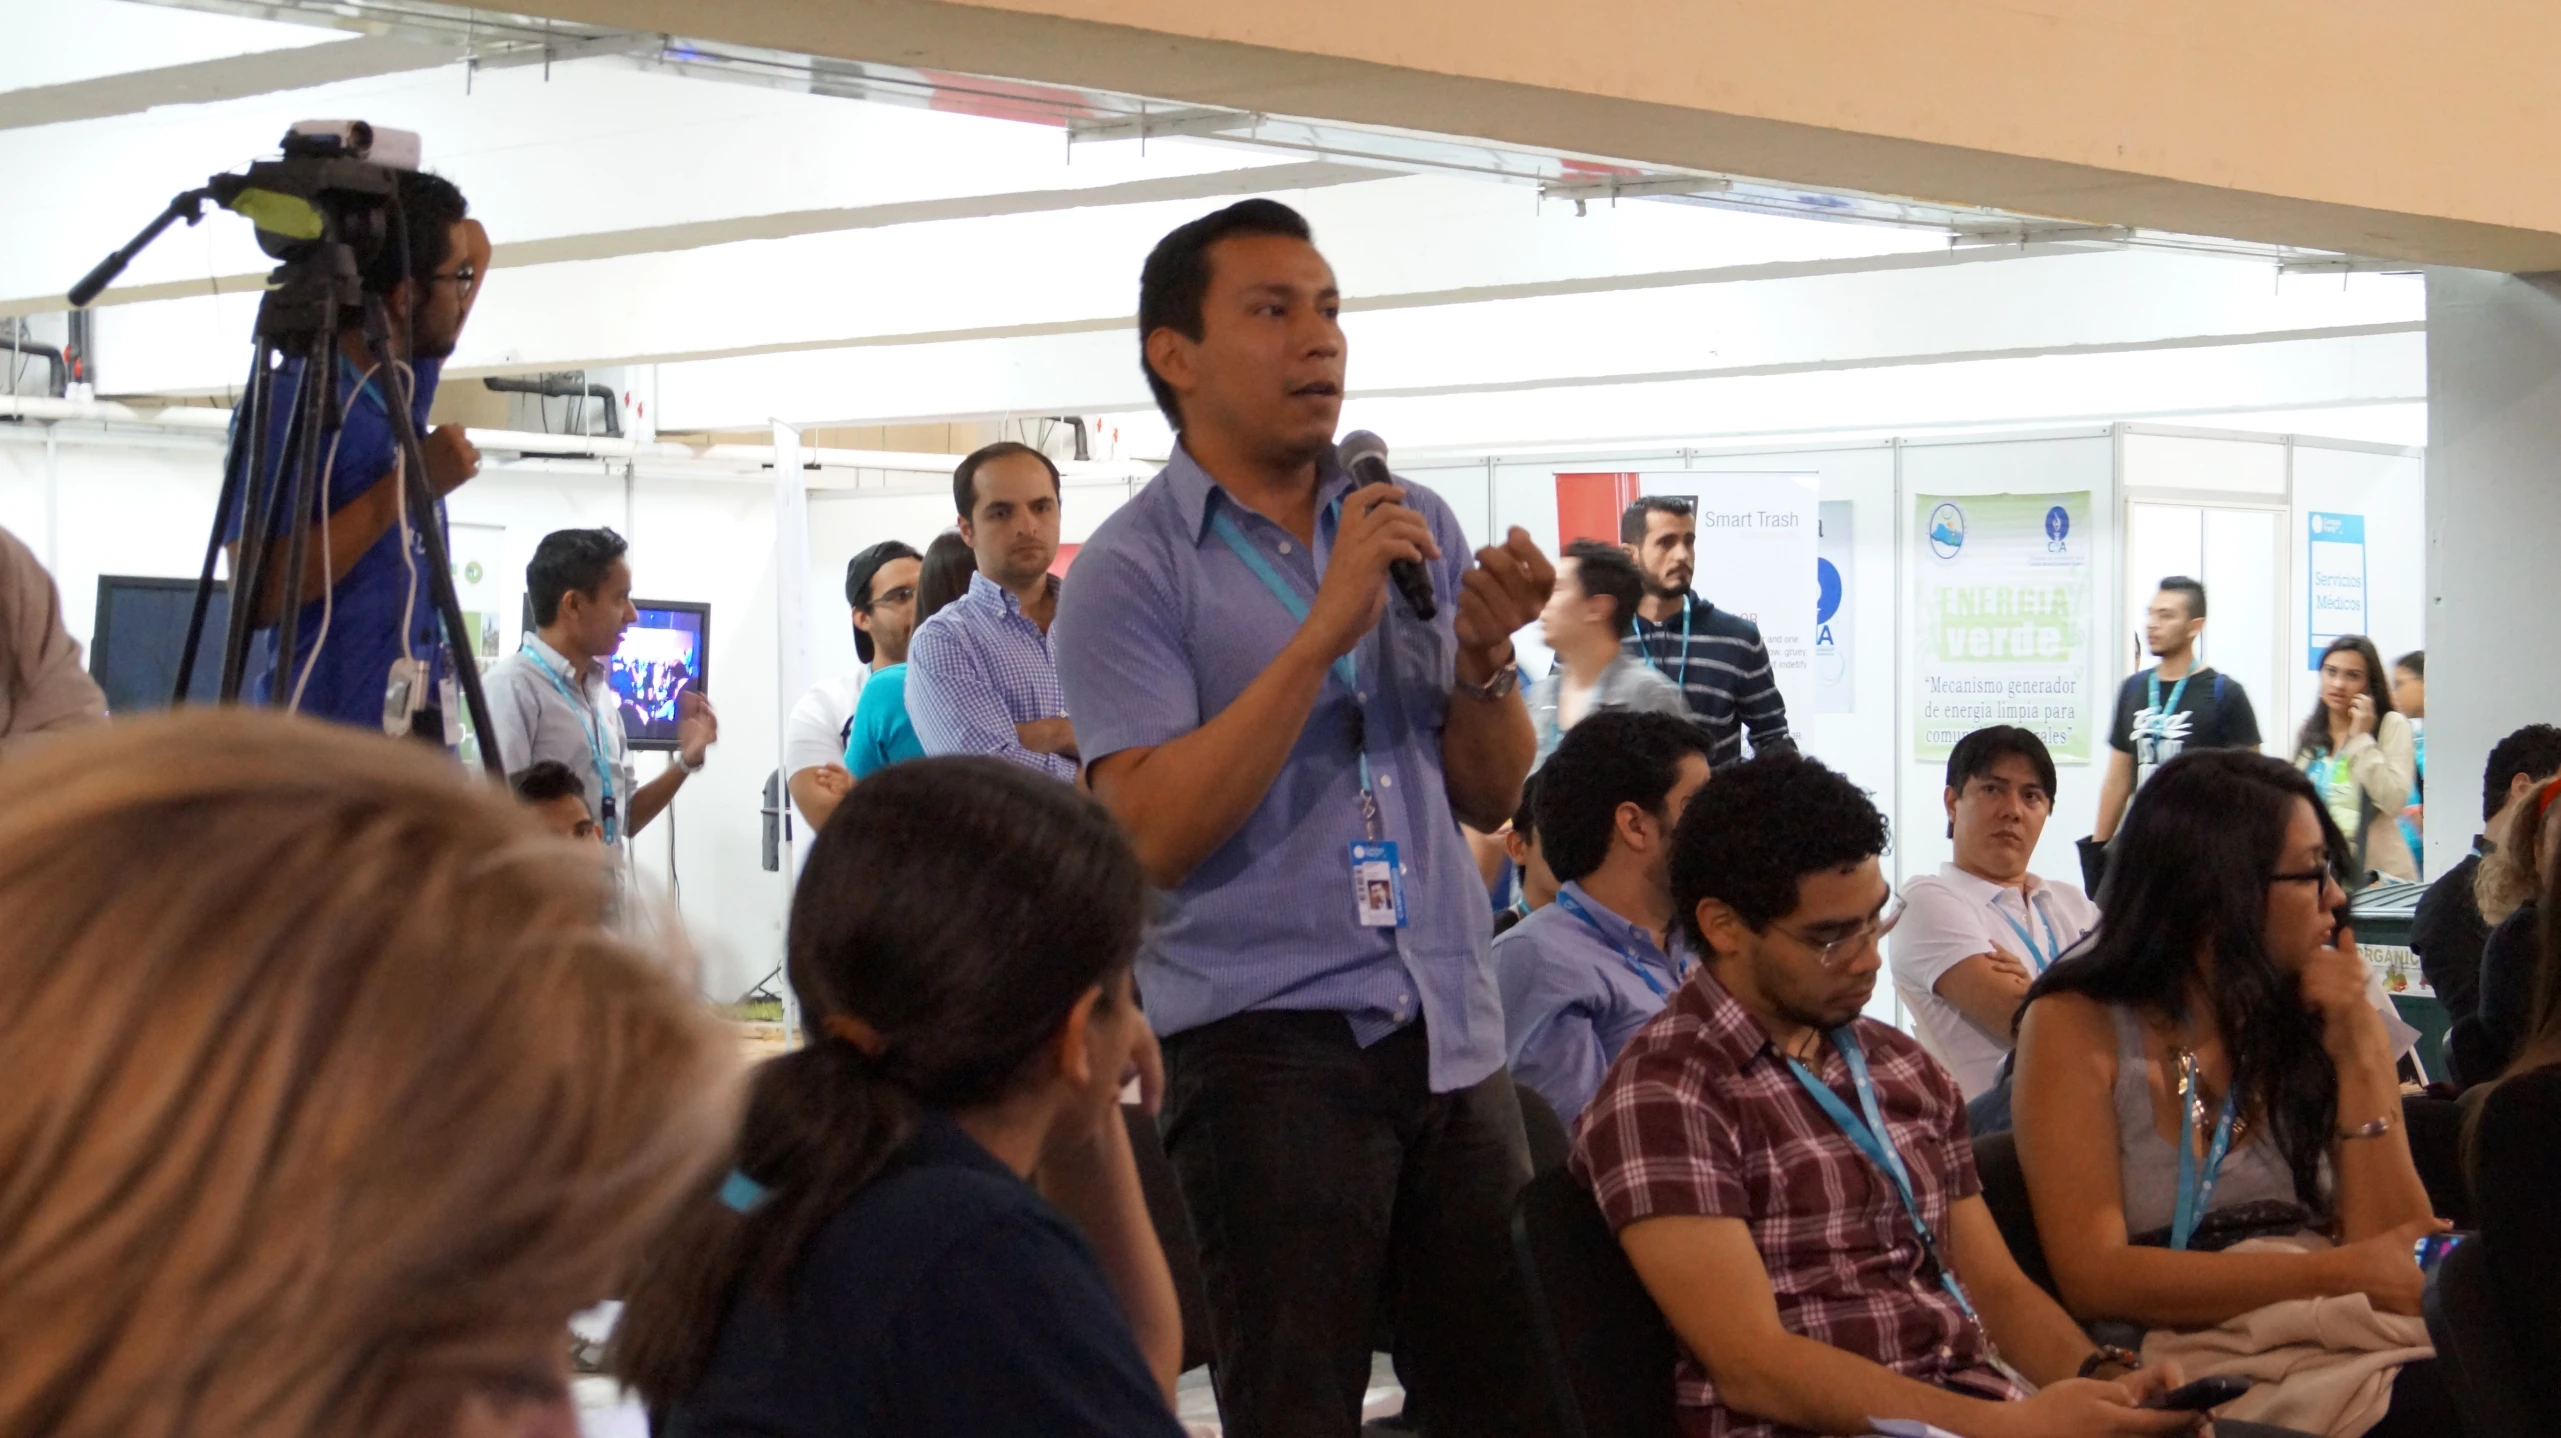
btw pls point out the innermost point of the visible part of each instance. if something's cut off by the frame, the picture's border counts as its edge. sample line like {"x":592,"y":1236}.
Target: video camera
{"x":324,"y":209}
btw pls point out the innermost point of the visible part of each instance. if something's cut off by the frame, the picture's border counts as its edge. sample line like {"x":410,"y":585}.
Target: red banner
{"x":1588,"y":506}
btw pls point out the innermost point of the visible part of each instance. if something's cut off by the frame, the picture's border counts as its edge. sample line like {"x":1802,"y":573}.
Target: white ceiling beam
{"x":1493,"y":318}
{"x":2089,"y":387}
{"x":575,"y":152}
{"x":1098,"y":373}
{"x":205,"y":82}
{"x":1008,"y":274}
{"x":788,"y":224}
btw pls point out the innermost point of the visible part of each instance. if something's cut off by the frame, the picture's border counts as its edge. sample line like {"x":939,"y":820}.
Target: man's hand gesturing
{"x":1506,"y":590}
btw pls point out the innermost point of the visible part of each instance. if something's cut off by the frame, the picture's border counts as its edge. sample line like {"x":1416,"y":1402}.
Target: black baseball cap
{"x":858,"y":573}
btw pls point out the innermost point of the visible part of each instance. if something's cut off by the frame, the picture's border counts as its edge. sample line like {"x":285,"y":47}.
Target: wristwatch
{"x":695,"y":767}
{"x":1500,"y":686}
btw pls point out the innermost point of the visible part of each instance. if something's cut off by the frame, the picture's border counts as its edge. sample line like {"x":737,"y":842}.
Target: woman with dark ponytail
{"x":879,"y":1259}
{"x":2209,"y":1069}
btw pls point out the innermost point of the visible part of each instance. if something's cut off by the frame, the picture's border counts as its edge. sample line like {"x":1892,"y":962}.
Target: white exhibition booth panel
{"x":2236,"y":507}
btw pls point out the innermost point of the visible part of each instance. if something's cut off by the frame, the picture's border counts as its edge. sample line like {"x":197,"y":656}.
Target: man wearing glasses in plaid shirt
{"x":1793,"y":1182}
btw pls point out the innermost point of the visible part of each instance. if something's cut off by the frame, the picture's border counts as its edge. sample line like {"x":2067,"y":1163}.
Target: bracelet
{"x":2371,"y":1128}
{"x":2106,"y":1354}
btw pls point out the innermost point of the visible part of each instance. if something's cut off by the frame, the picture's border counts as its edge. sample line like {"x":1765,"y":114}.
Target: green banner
{"x":2001,"y":592}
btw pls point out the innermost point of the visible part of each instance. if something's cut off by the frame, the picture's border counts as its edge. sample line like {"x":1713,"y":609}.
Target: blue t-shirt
{"x":948,"y":1298}
{"x":346,"y":679}
{"x":881,"y":734}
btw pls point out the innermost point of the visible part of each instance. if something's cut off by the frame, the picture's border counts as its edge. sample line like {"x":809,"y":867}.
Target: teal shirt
{"x":881,"y":735}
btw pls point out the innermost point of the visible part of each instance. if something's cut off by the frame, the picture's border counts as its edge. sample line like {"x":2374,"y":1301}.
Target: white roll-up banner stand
{"x":1757,"y":559}
{"x":792,"y":662}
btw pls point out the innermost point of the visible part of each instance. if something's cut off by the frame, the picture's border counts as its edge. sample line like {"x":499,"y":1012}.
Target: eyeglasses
{"x":1832,"y":952}
{"x":465,"y":276}
{"x":903,"y":594}
{"x":2314,"y":877}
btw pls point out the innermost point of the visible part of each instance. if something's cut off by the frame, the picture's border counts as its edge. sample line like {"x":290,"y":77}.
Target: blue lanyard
{"x":1871,"y":1138}
{"x":1626,"y":953}
{"x":2196,"y":1189}
{"x":1651,"y":657}
{"x":2161,"y":716}
{"x":2053,"y":946}
{"x":1234,"y":538}
{"x":591,"y":730}
{"x":1225,"y":528}
{"x":380,"y":384}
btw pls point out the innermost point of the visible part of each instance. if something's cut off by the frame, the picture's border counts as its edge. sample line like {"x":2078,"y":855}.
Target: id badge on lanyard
{"x":1378,"y":877}
{"x":1378,"y":880}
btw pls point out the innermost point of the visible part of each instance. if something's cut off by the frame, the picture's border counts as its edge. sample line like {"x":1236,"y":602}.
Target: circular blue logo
{"x":1947,"y":531}
{"x":2058,"y":525}
{"x":1827,"y":591}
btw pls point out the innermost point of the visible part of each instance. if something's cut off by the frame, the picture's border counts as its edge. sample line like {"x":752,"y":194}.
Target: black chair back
{"x":2476,"y":1357}
{"x":1173,"y":1231}
{"x":1610,"y":1356}
{"x":2435,"y":1126}
{"x":1996,"y":1162}
{"x":1548,"y":1145}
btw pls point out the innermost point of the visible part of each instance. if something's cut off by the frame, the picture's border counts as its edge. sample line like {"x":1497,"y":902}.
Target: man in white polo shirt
{"x":1978,"y":932}
{"x":552,"y":699}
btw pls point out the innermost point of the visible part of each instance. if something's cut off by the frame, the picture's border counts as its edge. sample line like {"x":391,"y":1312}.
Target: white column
{"x":2494,"y":508}
{"x":791,"y":661}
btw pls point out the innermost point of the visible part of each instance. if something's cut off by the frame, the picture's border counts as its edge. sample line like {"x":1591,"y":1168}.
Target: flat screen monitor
{"x":140,"y":629}
{"x":667,"y":652}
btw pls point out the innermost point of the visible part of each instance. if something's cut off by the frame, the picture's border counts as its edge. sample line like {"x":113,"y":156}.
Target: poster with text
{"x":479,"y":556}
{"x":1756,"y":553}
{"x":2335,"y":562}
{"x":2003,"y":613}
{"x":1835,"y":612}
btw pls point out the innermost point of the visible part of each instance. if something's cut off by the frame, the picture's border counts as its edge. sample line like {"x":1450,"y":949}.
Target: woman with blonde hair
{"x":2479,"y":1046}
{"x":329,"y":1096}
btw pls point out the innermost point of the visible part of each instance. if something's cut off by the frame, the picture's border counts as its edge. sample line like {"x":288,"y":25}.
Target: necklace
{"x":2192,"y":1090}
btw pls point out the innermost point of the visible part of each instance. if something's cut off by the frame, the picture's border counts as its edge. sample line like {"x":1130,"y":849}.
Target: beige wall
{"x":2398,"y":128}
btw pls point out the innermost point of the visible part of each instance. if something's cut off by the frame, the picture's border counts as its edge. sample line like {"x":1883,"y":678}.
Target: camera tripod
{"x":316,"y":210}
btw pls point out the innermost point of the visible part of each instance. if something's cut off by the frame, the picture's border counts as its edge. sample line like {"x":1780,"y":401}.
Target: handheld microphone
{"x":1365,"y":455}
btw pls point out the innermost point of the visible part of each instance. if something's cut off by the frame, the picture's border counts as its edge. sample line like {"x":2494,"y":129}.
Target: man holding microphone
{"x":1283,"y":738}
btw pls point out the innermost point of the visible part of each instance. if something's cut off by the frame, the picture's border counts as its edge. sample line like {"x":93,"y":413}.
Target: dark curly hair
{"x":1758,"y":828}
{"x":1614,"y":757}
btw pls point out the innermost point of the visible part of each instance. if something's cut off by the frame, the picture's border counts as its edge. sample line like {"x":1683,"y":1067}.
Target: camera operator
{"x":364,"y":587}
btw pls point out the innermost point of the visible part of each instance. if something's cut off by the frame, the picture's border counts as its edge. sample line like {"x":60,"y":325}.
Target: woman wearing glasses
{"x":2210,"y":1070}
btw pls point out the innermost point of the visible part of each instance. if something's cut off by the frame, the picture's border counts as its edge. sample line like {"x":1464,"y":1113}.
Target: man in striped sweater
{"x":1716,"y":658}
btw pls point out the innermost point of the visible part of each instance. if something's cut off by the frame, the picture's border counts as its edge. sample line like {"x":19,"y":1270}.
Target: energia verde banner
{"x":2002,"y":603}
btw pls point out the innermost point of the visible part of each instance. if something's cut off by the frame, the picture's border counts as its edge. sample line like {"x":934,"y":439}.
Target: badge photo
{"x":1378,"y":888}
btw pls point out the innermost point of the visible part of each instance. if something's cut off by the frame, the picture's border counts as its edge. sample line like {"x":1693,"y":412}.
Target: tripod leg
{"x":313,"y":416}
{"x":431,"y":533}
{"x":258,"y":534}
{"x":235,"y":472}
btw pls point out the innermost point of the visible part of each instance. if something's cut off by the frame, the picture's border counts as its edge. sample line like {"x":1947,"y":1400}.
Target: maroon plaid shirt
{"x":1700,"y":1116}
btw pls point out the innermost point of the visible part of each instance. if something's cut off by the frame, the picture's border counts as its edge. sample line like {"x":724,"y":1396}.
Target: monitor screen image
{"x":663,"y":655}
{"x":140,"y":629}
